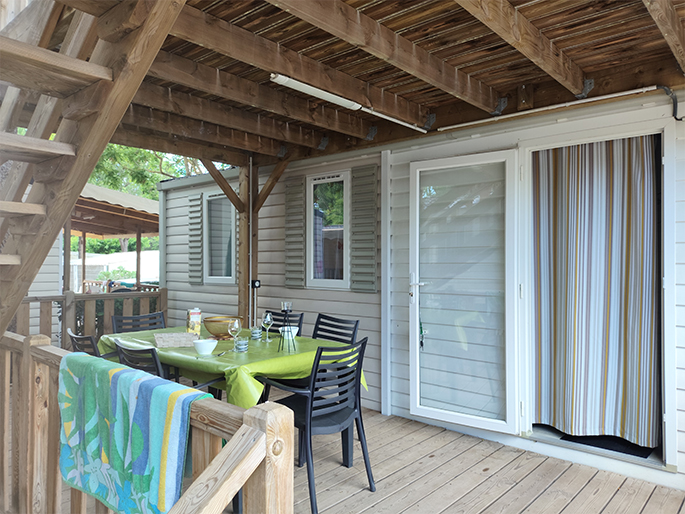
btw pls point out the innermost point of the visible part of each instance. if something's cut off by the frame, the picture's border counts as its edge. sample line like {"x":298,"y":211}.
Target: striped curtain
{"x":596,"y":251}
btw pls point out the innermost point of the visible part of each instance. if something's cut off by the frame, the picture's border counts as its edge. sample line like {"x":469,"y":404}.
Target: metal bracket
{"x":373,"y":130}
{"x":587,"y":87}
{"x":429,"y":121}
{"x":282,"y":151}
{"x":323,"y":144}
{"x":501,"y":105}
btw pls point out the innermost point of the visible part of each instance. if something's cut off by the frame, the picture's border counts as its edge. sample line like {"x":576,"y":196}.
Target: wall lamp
{"x":335,"y":99}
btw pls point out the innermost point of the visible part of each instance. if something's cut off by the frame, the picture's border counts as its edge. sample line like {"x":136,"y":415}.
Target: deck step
{"x":37,"y":69}
{"x":10,"y":260}
{"x":14,"y":147}
{"x":14,"y":209}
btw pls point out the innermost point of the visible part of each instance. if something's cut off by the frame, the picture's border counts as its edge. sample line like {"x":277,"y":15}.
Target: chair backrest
{"x":294,"y":320}
{"x":83,"y":344}
{"x":150,"y":321}
{"x":335,"y":379}
{"x":335,"y":329}
{"x":145,"y":359}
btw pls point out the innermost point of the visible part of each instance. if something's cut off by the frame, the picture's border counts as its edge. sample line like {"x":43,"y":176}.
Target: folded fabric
{"x":124,"y":433}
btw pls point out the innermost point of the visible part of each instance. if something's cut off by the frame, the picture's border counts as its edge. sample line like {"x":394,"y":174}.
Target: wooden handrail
{"x":258,"y":457}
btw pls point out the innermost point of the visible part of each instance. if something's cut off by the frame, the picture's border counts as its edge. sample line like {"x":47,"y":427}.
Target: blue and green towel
{"x":124,"y":433}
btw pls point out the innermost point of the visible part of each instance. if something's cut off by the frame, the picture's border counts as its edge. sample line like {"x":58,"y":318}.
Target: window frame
{"x":216,"y":279}
{"x":320,"y":178}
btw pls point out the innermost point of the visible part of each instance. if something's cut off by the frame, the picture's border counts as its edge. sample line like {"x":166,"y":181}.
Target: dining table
{"x":238,"y":369}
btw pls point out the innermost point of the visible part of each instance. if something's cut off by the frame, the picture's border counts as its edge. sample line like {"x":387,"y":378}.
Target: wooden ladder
{"x":78,"y":105}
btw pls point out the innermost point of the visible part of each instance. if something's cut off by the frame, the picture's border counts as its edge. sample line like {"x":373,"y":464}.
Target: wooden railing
{"x":257,"y":458}
{"x":82,"y":314}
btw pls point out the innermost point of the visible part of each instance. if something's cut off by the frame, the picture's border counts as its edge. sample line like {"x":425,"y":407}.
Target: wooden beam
{"x":509,"y":24}
{"x":666,"y":18}
{"x":349,"y":24}
{"x":183,"y":104}
{"x":29,"y":25}
{"x":31,"y":149}
{"x":94,"y":7}
{"x":122,"y":19}
{"x":136,"y":139}
{"x":13,"y":209}
{"x":268,"y":187}
{"x":224,"y":185}
{"x":225,"y":38}
{"x":37,"y":69}
{"x":210,"y":80}
{"x":10,"y":260}
{"x":244,"y":229}
{"x":191,"y":128}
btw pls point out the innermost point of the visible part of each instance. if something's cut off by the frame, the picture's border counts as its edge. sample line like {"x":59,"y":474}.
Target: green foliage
{"x":116,"y":274}
{"x":105,"y":246}
{"x":329,"y":197}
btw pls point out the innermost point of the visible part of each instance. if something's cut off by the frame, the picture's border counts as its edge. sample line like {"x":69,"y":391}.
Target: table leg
{"x":348,"y":446}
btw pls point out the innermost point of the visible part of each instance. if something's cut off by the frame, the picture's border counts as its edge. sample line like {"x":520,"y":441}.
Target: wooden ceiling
{"x":429,"y":63}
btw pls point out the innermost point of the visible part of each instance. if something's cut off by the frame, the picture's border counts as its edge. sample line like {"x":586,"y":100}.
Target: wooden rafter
{"x":269,"y":185}
{"x":503,"y":19}
{"x":191,"y":128}
{"x":349,"y":24}
{"x":183,"y":104}
{"x":204,"y":78}
{"x":668,"y":21}
{"x":225,"y":38}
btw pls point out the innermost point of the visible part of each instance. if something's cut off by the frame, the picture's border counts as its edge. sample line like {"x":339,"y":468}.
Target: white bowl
{"x":204,"y":346}
{"x":289,"y":332}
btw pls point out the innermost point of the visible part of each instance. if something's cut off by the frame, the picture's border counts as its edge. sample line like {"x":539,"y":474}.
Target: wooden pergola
{"x":258,"y":83}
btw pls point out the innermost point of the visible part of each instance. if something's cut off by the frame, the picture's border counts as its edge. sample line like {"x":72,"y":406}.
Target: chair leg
{"x":238,"y":503}
{"x":347,"y":437}
{"x":365,"y":452}
{"x":300,"y":448}
{"x":310,"y":472}
{"x":265,"y":394}
{"x":216,"y":393}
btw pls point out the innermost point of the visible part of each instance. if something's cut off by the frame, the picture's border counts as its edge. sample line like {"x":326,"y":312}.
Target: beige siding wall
{"x":213,"y":299}
{"x":48,"y":281}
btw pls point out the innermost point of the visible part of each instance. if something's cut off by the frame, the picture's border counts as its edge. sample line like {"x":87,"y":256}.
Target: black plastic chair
{"x":144,"y":359}
{"x":294,"y":320}
{"x":330,"y":404}
{"x":121,"y":324}
{"x":87,"y":344}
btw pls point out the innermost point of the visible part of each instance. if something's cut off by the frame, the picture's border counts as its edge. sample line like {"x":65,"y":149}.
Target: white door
{"x":462,"y":290}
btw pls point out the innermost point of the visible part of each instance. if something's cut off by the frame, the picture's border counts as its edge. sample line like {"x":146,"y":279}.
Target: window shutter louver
{"x":195,"y":239}
{"x":363,"y":223}
{"x":295,"y":246}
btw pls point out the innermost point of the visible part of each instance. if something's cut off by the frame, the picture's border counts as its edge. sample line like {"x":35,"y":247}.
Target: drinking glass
{"x":267,"y":321}
{"x":234,"y":327}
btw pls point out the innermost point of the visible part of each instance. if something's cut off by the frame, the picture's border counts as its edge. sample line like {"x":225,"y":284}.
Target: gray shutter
{"x":195,"y":239}
{"x":295,"y":247}
{"x":363,"y":222}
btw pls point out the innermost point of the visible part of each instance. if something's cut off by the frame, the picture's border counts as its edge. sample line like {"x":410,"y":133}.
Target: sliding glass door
{"x":462,"y":291}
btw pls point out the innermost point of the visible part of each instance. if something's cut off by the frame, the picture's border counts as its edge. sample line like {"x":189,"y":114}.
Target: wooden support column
{"x":66,"y":283}
{"x":83,"y":261}
{"x":138,"y":249}
{"x":244,"y":246}
{"x":254,"y":229}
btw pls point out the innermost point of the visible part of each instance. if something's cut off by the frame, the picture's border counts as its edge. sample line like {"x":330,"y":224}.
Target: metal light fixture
{"x":335,"y":99}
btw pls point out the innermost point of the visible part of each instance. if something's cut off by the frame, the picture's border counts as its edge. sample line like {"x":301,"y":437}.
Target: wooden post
{"x":23,"y":319}
{"x":83,"y":261}
{"x":254,"y":180}
{"x":46,"y":318}
{"x":270,"y":487}
{"x":162,"y":302}
{"x":39,"y":435}
{"x":5,"y":475}
{"x":68,"y":317}
{"x":108,"y":312}
{"x":89,"y":328}
{"x":66,"y":284}
{"x":244,"y":246}
{"x":138,"y":250}
{"x":54,"y":486}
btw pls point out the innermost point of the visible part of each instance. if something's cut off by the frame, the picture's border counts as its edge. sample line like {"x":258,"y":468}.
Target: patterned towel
{"x":124,"y":433}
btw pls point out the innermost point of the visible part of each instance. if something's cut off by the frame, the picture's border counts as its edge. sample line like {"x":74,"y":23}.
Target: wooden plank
{"x":215,"y":34}
{"x":270,"y":488}
{"x":226,"y":474}
{"x":23,"y":319}
{"x":168,"y":100}
{"x":93,"y":7}
{"x":89,"y":316}
{"x":100,"y":508}
{"x":78,"y":502}
{"x":12,"y":209}
{"x":192,"y":128}
{"x":519,"y":32}
{"x":665,"y":500}
{"x":224,"y":185}
{"x":271,"y":182}
{"x":31,"y":149}
{"x":46,"y":318}
{"x":5,"y":431}
{"x":560,"y":493}
{"x":667,"y":19}
{"x":127,"y":137}
{"x":121,"y":20}
{"x":50,"y":73}
{"x":597,"y":493}
{"x":630,"y":498}
{"x":108,"y":312}
{"x":128,"y":307}
{"x":39,"y":435}
{"x":215,"y":417}
{"x":362,"y":31}
{"x":10,"y":260}
{"x":243,"y":268}
{"x":205,"y":447}
{"x":54,"y":486}
{"x":205,"y":78}
{"x":29,"y":25}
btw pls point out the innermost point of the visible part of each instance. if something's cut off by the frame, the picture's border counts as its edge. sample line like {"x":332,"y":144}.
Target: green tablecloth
{"x":239,"y":369}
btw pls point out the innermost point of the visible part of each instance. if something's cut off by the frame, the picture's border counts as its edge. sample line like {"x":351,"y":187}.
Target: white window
{"x":219,"y":241}
{"x":328,"y":226}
